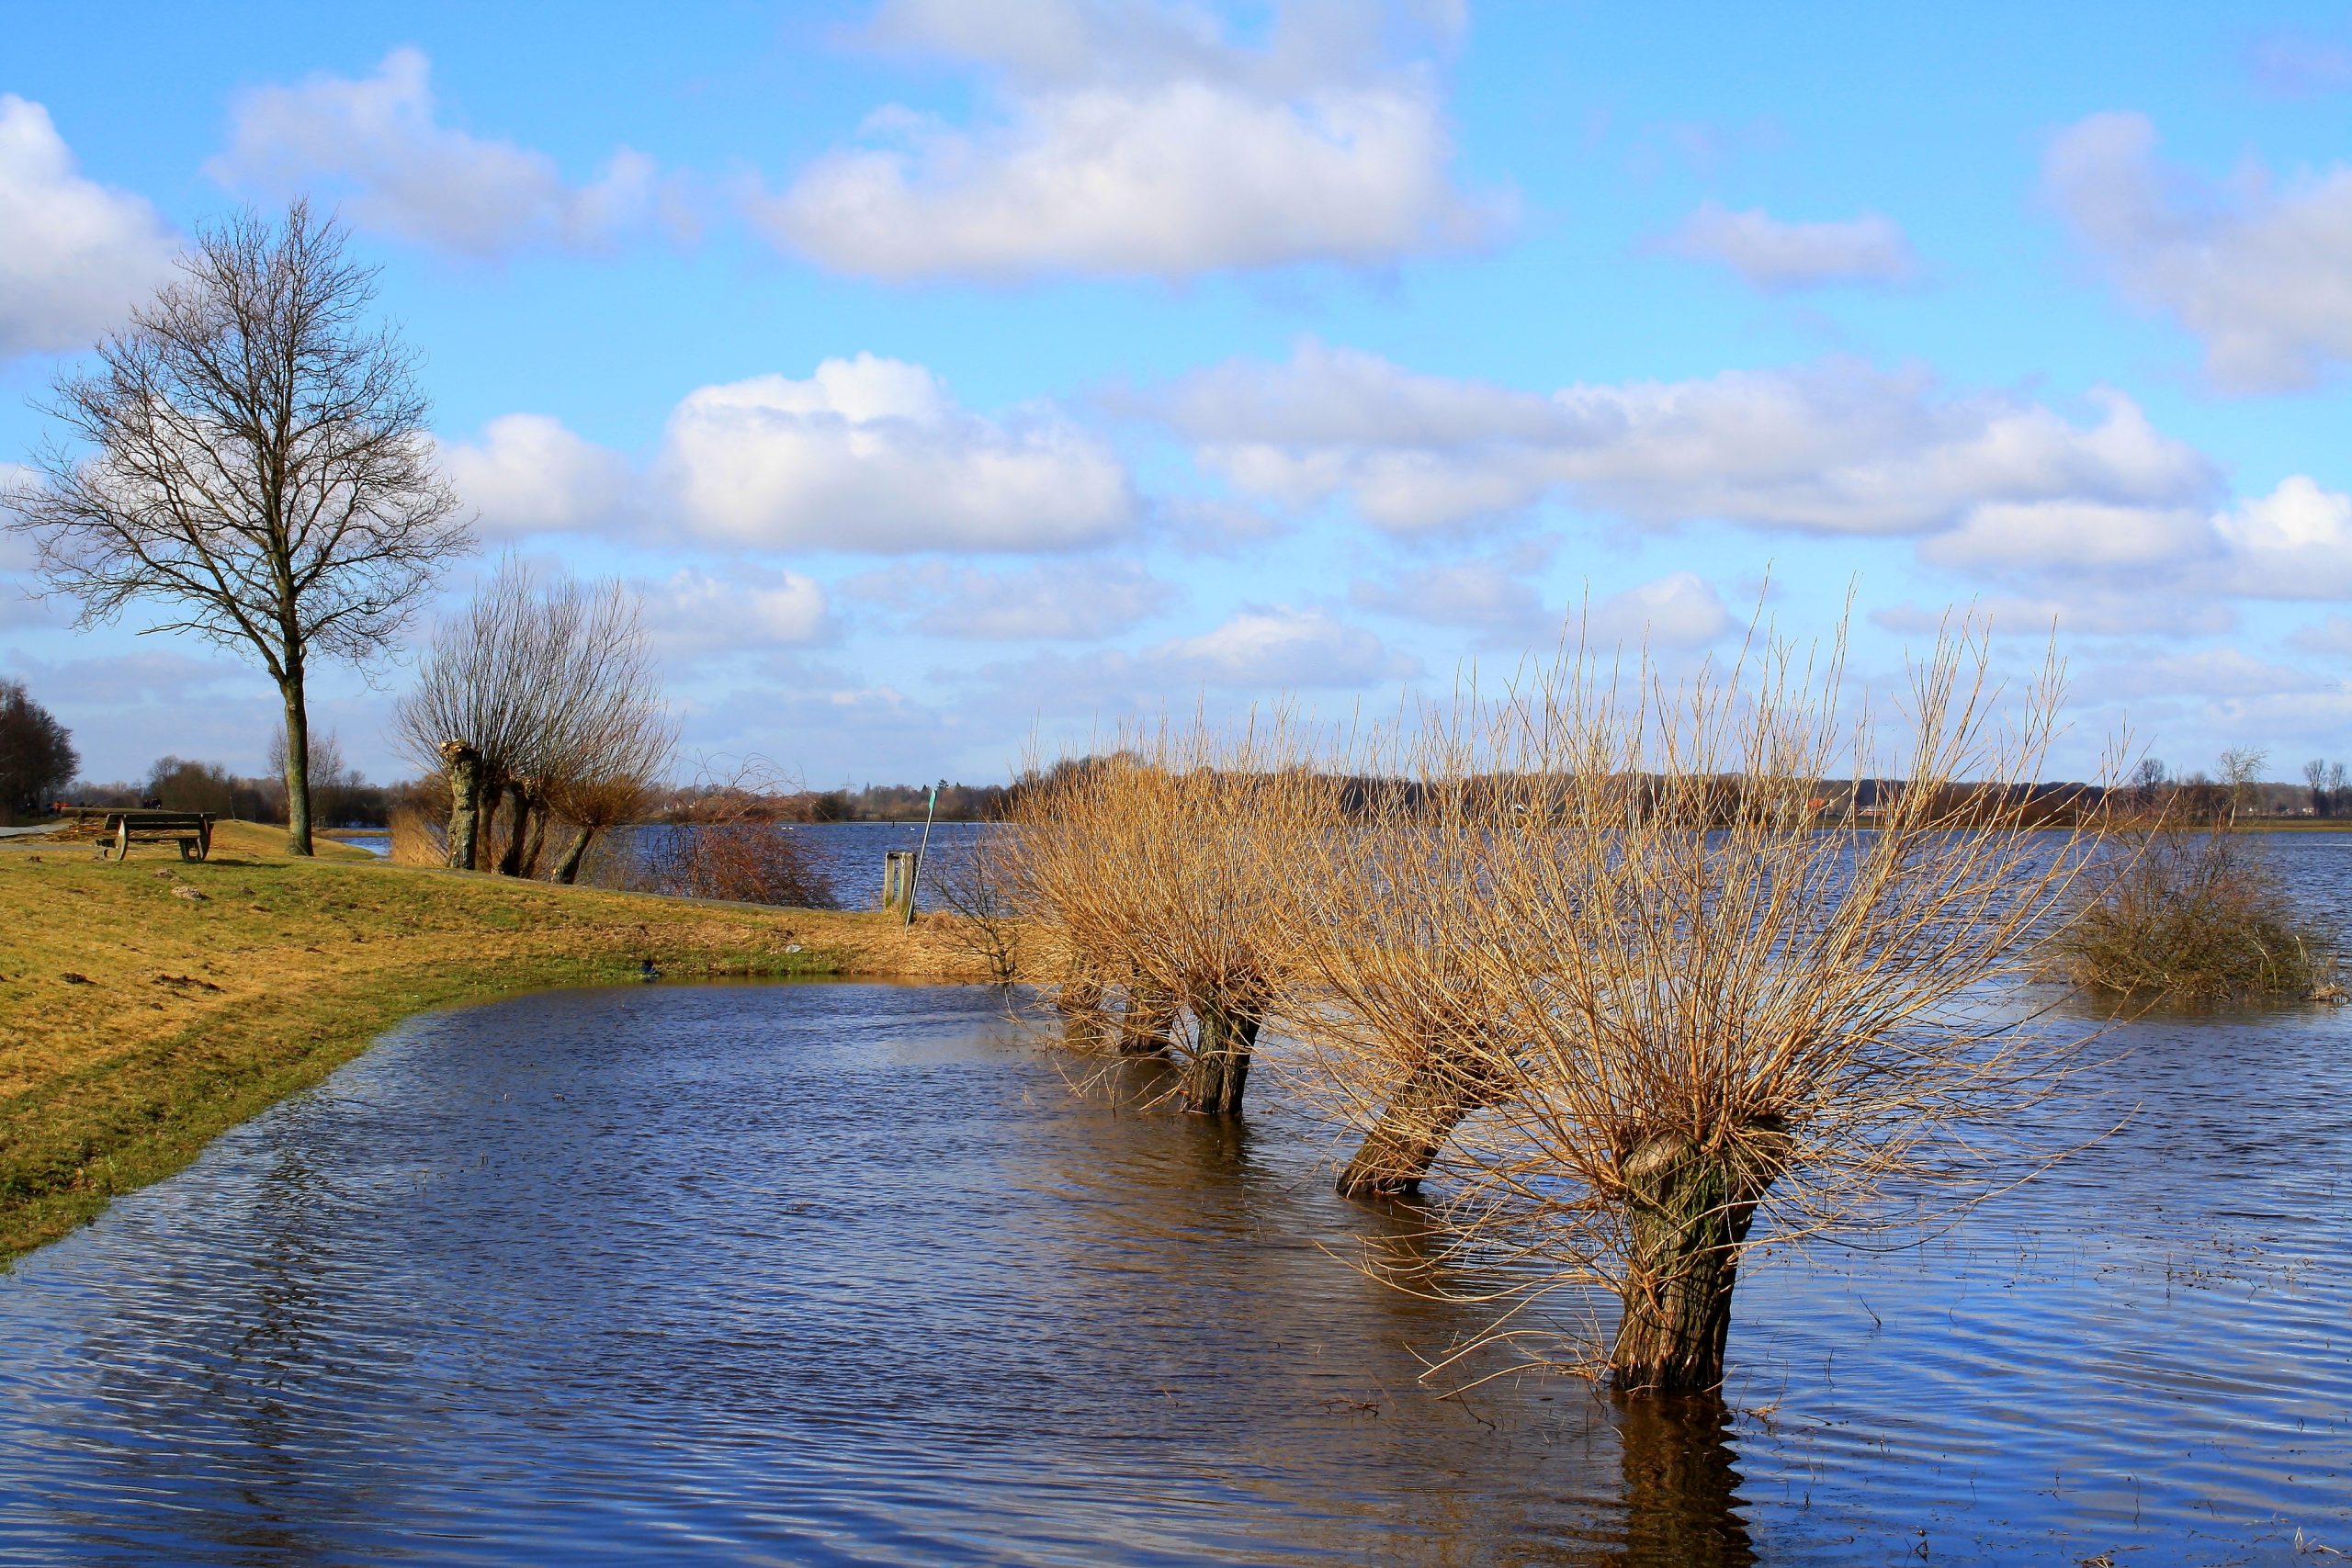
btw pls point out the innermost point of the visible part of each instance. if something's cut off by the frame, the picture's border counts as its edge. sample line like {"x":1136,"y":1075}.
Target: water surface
{"x":845,"y":1273}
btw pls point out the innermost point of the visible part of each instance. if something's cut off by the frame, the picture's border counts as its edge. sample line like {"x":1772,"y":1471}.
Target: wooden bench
{"x":188,"y":830}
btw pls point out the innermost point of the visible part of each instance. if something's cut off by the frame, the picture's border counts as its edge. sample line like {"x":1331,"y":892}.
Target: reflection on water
{"x":845,"y":1274}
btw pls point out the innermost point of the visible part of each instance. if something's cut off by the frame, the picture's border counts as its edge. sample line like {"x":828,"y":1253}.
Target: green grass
{"x":137,"y":1023}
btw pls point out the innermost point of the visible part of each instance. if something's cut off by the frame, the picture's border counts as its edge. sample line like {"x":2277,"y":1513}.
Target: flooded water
{"x":846,"y":1274}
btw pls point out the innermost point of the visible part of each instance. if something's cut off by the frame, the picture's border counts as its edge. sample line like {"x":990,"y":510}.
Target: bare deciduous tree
{"x":542,"y":697}
{"x":1161,"y":874}
{"x":1675,"y":1003}
{"x":251,"y":454}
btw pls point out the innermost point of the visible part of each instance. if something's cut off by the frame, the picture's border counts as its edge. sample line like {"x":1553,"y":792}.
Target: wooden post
{"x":898,"y":882}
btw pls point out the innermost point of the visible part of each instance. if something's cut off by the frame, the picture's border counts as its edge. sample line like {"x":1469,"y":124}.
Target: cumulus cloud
{"x":1484,"y":595}
{"x":2295,"y":543}
{"x":1678,"y":610}
{"x":77,"y":254}
{"x":2331,"y":637}
{"x":2072,"y":535}
{"x":2261,"y":273}
{"x":1776,"y":256}
{"x":378,"y":143}
{"x":693,"y":613}
{"x":1262,"y":648}
{"x":1835,"y":448}
{"x":526,"y":473}
{"x":2291,"y":64}
{"x":2206,"y":672}
{"x":1072,"y":600}
{"x":2084,"y":610}
{"x":1133,"y":139}
{"x":1277,"y":646}
{"x":872,"y":455}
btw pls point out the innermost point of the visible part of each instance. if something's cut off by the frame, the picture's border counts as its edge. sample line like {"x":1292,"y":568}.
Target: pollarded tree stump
{"x":1687,"y":1210}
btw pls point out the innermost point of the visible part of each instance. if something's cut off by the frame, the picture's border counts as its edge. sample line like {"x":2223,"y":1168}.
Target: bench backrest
{"x":160,"y":821}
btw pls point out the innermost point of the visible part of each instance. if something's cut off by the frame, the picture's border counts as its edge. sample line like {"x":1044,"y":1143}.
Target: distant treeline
{"x":340,"y":796}
{"x":1848,"y":802}
{"x":892,"y":803}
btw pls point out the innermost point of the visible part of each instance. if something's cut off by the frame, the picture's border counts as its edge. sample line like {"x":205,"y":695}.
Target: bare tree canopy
{"x":249,"y":457}
{"x":542,"y":695}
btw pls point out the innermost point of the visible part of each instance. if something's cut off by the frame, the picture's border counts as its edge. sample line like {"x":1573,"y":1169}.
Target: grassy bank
{"x":147,"y":1006}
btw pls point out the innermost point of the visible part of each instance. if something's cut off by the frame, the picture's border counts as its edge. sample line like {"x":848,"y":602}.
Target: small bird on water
{"x":645,"y":970}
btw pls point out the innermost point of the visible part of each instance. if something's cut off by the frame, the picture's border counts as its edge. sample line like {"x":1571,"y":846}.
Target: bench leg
{"x":187,"y":844}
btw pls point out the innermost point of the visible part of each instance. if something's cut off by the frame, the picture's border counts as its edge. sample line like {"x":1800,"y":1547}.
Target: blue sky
{"x":948,"y":372}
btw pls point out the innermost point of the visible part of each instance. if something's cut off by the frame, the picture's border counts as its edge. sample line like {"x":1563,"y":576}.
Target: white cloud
{"x":1275,"y":647}
{"x":1678,"y":610}
{"x":2262,"y":275}
{"x":2295,"y":543}
{"x":1134,"y":140}
{"x":2331,"y":637}
{"x":376,"y":142}
{"x":2217,"y":672}
{"x":526,"y":473}
{"x":1076,"y":600}
{"x":1776,"y":256}
{"x":2291,"y":64}
{"x":692,"y":613}
{"x":2086,"y":609}
{"x":871,"y":455}
{"x":2072,"y":535}
{"x":1198,"y":526}
{"x":1484,"y":595}
{"x":1835,"y":448}
{"x":75,"y":255}
{"x":1267,"y":648}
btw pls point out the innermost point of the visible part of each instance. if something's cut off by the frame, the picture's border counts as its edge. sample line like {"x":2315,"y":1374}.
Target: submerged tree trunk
{"x":1420,"y":1117}
{"x":1144,"y":1029}
{"x":567,"y":865}
{"x":1689,"y":1210}
{"x":463,"y":765}
{"x":1220,"y":1067}
{"x":1080,"y":1001}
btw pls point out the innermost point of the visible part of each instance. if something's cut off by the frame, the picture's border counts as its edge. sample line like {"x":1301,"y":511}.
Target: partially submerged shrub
{"x":2194,"y":915}
{"x":1660,"y":1002}
{"x":1166,"y":877}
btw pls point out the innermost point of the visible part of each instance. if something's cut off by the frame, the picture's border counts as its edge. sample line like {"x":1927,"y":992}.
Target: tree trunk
{"x":518,"y":825}
{"x":1689,"y":1210}
{"x":1080,"y":1002}
{"x":1402,"y":1144}
{"x":1144,"y":1027}
{"x":537,"y":842}
{"x":462,"y":763}
{"x":1220,"y":1059}
{"x":567,"y":866}
{"x":298,"y":764}
{"x":492,"y":795}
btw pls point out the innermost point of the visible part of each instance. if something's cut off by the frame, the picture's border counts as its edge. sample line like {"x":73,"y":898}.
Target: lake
{"x":836,"y":1273}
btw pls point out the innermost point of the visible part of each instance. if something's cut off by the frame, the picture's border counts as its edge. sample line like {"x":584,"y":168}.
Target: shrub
{"x":2194,"y":916}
